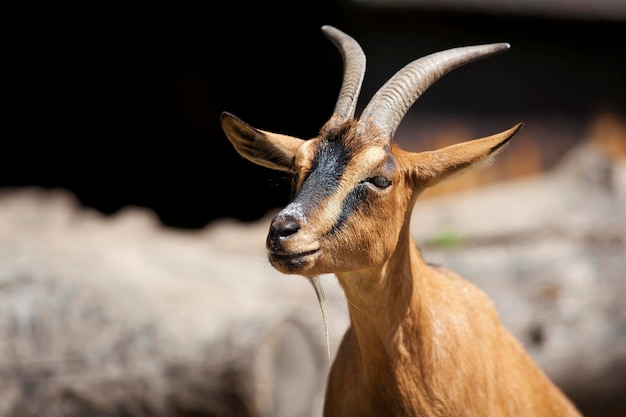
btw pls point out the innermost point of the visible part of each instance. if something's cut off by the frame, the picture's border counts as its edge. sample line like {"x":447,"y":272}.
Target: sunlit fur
{"x":422,"y":341}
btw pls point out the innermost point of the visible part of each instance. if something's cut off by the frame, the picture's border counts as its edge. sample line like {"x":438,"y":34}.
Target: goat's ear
{"x":434,"y":166}
{"x":271,"y":150}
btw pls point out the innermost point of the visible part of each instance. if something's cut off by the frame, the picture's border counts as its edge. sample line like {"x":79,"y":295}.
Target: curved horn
{"x":353,"y":72}
{"x":392,"y":101}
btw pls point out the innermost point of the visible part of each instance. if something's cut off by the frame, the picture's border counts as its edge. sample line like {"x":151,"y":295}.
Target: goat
{"x":422,"y":341}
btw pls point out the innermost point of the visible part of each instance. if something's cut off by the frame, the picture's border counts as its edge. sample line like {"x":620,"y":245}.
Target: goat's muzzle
{"x":289,"y":249}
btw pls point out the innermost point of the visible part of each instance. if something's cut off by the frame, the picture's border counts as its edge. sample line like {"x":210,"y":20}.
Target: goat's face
{"x":350,"y":198}
{"x":353,"y":187}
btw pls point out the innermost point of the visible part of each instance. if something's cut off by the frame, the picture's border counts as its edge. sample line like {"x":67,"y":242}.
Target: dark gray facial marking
{"x":322,"y":179}
{"x":329,"y":164}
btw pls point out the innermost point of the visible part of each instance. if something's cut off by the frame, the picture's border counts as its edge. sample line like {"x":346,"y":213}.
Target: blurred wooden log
{"x":117,"y":316}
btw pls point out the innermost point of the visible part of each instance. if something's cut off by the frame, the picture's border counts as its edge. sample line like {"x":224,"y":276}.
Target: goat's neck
{"x":384,"y":303}
{"x":387,"y":342}
{"x":412,"y":348}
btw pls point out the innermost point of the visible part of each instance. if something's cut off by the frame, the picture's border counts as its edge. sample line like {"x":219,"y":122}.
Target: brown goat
{"x":422,"y":340}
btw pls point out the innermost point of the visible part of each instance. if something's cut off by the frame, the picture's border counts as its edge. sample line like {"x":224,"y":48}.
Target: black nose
{"x":281,"y":228}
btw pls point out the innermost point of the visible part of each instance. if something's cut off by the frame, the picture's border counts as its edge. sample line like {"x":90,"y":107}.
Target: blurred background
{"x":121,"y":105}
{"x":133,"y":280}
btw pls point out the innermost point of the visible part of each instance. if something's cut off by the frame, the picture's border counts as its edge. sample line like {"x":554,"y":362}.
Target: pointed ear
{"x":434,"y":166}
{"x":271,"y":150}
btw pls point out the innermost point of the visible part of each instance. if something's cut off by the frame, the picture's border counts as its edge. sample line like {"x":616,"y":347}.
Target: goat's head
{"x":354,"y":187}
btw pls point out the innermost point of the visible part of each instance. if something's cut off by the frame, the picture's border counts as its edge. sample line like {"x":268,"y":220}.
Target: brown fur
{"x":422,"y":341}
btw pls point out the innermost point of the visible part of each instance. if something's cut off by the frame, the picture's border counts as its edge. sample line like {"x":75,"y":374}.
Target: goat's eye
{"x":379,"y":181}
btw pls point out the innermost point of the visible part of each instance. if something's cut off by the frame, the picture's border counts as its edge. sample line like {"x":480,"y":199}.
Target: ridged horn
{"x":392,"y":101}
{"x":353,"y":70}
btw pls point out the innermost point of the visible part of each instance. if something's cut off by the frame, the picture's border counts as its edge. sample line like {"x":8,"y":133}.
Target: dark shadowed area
{"x":121,"y":105}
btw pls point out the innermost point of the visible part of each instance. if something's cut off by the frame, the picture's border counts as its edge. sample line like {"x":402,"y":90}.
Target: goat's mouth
{"x":292,"y":262}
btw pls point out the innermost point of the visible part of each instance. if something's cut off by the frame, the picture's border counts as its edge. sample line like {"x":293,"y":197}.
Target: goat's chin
{"x":300,"y":263}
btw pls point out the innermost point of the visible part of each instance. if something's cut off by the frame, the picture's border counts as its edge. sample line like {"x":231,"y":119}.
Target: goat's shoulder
{"x":460,"y":300}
